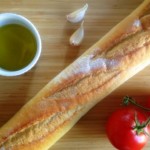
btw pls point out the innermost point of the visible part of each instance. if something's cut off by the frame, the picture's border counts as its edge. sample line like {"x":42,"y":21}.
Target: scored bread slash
{"x":120,"y":54}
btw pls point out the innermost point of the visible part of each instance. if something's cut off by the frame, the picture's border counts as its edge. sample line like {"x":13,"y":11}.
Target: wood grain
{"x":49,"y":18}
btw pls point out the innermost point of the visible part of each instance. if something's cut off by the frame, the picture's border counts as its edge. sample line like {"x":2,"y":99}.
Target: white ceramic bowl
{"x":11,"y":18}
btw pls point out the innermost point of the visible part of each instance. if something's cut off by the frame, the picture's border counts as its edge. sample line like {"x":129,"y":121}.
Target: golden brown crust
{"x":119,"y":55}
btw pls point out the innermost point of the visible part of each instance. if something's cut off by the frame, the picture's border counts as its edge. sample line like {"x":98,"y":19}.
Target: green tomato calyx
{"x":139,"y":127}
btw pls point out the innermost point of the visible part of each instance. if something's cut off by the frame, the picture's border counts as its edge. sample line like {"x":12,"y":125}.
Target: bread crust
{"x":115,"y":58}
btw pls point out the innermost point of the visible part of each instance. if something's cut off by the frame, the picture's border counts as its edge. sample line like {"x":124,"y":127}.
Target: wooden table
{"x":49,"y":18}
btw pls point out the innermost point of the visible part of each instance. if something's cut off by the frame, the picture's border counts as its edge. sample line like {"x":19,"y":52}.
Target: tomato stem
{"x":128,"y":100}
{"x":139,"y":127}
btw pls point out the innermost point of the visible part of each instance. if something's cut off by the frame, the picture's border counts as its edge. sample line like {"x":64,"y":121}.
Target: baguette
{"x":119,"y":55}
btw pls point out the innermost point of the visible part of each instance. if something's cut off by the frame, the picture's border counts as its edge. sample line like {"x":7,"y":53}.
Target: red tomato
{"x":147,"y":105}
{"x":124,"y":132}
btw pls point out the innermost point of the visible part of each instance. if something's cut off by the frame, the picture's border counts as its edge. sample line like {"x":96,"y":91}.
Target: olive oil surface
{"x":17,"y":47}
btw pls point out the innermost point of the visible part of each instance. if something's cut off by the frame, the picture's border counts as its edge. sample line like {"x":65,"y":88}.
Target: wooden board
{"x":49,"y":18}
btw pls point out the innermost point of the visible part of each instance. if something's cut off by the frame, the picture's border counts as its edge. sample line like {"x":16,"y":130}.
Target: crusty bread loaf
{"x":120,"y":54}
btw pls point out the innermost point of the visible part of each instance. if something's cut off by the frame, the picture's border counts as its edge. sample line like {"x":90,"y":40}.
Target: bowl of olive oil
{"x":20,"y":45}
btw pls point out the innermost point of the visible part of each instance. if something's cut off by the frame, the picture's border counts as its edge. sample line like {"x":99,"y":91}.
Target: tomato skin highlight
{"x":120,"y":129}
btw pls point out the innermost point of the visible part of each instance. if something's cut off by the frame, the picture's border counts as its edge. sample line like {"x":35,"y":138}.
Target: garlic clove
{"x":77,"y":15}
{"x":77,"y":36}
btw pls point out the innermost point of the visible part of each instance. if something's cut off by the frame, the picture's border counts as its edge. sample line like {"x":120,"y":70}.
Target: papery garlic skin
{"x":77,"y":36}
{"x":77,"y":15}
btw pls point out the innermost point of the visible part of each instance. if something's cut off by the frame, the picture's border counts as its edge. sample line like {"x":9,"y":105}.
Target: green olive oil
{"x":17,"y":47}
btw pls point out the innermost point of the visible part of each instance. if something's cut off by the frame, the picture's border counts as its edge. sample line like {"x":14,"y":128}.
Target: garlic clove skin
{"x":78,"y":15}
{"x":77,"y":36}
